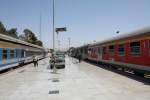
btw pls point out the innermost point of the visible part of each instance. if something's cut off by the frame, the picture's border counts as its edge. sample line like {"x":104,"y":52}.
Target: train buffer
{"x":78,"y":81}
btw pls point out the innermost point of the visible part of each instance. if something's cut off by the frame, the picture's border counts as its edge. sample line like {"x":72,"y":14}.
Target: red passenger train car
{"x":127,"y":51}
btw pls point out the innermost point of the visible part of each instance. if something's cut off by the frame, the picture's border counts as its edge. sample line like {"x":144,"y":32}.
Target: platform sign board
{"x":61,"y":29}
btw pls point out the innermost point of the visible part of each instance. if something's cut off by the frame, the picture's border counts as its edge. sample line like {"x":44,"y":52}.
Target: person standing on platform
{"x":52,"y":61}
{"x":79,"y":58}
{"x":34,"y":61}
{"x":37,"y":61}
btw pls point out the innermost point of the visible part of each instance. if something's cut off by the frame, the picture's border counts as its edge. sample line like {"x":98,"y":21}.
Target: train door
{"x":24,"y":53}
{"x":104,"y":53}
{"x":99,"y":53}
{"x":86,"y":52}
{"x":95,"y":55}
{"x":89,"y":53}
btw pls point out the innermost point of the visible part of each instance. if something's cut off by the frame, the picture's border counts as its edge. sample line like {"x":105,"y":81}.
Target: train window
{"x":4,"y":54}
{"x":17,"y":53}
{"x":89,"y":50}
{"x":12,"y":54}
{"x":29,"y":53}
{"x":22,"y":53}
{"x":121,"y":49}
{"x":135,"y":48}
{"x":111,"y":49}
{"x":104,"y":50}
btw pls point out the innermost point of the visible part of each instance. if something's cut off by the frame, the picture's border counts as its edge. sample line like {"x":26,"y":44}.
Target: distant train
{"x":15,"y":52}
{"x":128,"y":52}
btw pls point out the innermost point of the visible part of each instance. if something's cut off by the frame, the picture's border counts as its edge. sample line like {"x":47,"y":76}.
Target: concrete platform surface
{"x":78,"y":81}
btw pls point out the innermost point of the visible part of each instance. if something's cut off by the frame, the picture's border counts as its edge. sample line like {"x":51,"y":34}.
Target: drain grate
{"x":54,"y":92}
{"x":55,"y":80}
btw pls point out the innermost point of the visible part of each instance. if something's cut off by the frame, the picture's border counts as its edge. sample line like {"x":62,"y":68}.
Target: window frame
{"x":124,"y":52}
{"x":104,"y":50}
{"x":111,"y":51}
{"x":12,"y":54}
{"x":22,"y":53}
{"x":4,"y":54}
{"x":133,"y":47}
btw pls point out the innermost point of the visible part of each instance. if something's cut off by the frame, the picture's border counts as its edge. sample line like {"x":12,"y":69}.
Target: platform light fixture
{"x":117,"y":32}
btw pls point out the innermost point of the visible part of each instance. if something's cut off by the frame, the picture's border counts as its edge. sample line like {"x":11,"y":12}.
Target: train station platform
{"x":78,"y":81}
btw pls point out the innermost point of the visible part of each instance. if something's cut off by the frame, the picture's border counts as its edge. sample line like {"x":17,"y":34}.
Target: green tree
{"x":30,"y":37}
{"x":38,"y":42}
{"x":2,"y":28}
{"x":13,"y":32}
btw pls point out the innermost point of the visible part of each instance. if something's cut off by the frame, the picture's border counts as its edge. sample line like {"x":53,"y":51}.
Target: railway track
{"x":127,"y":73}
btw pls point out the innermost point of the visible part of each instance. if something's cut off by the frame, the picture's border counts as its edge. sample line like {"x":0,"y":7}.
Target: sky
{"x":86,"y":20}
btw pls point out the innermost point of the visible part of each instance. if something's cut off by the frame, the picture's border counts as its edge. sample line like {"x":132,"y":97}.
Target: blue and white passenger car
{"x":14,"y":52}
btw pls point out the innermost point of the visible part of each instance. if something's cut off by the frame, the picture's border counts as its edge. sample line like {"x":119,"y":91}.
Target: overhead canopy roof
{"x":11,"y":39}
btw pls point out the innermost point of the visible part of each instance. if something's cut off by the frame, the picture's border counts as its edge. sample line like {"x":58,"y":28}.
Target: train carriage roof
{"x":11,"y":39}
{"x":126,"y":35}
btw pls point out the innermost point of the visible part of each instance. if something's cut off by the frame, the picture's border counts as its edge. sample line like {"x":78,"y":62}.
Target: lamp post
{"x":69,"y":40}
{"x":53,"y":25}
{"x":57,"y":31}
{"x":40,"y":26}
{"x":54,"y":67}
